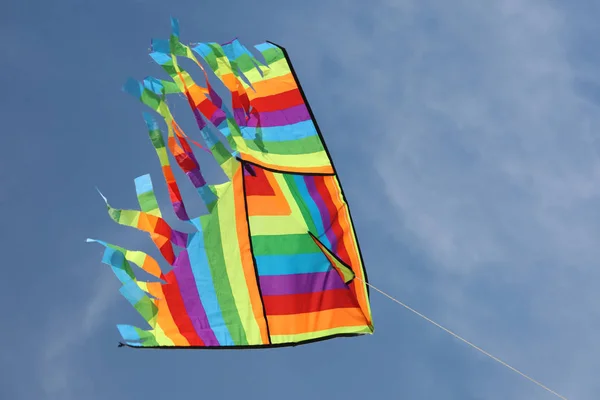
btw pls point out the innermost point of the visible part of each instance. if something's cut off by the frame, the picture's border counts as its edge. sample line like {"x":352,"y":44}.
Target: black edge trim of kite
{"x":262,"y":302}
{"x":337,"y":258}
{"x":283,"y":171}
{"x":242,"y":347}
{"x":314,"y":120}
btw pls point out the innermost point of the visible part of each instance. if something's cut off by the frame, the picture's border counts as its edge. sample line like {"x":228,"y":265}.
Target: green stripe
{"x":211,"y":60}
{"x":147,"y":310}
{"x":272,"y":55}
{"x":147,"y":337}
{"x":301,"y":202}
{"x":244,"y":63}
{"x":220,"y":152}
{"x":217,"y":49}
{"x":147,"y":201}
{"x":310,"y":144}
{"x":265,"y":245}
{"x":177,"y":47}
{"x":234,"y":131}
{"x":218,"y":270}
{"x":150,"y":99}
{"x":125,"y":265}
{"x":157,"y":138}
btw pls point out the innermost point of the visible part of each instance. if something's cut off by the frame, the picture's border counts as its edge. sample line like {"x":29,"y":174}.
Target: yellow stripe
{"x":275,"y":339}
{"x":276,"y":69}
{"x":233,"y":261}
{"x":280,"y":224}
{"x":161,"y":338}
{"x":305,"y":160}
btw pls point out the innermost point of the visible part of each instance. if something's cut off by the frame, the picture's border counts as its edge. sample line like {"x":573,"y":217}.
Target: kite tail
{"x":149,"y":221}
{"x":136,"y":294}
{"x":136,"y":337}
{"x":147,"y":93}
{"x":152,"y":300}
{"x":185,"y":158}
{"x":165,"y":53}
{"x":236,"y":61}
{"x":160,"y":148}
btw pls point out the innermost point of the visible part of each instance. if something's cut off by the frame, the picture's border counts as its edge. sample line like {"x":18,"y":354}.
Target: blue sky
{"x":466,"y":137}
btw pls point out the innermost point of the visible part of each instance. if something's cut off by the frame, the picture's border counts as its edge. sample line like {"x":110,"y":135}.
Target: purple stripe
{"x":189,"y":293}
{"x":214,"y":96}
{"x":323,"y":210}
{"x":285,"y":117}
{"x":301,"y":283}
{"x":196,"y":178}
{"x":217,"y":117}
{"x":180,"y":211}
{"x":239,"y":114}
{"x":179,"y":238}
{"x":199,"y":119}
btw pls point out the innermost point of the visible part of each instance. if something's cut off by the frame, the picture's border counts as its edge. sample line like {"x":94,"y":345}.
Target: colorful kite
{"x":275,"y":261}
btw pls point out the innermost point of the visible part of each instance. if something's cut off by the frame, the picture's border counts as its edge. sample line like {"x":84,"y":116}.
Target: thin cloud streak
{"x":482,"y":142}
{"x":59,"y":375}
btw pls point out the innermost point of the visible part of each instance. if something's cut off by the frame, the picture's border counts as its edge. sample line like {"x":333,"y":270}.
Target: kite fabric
{"x":275,"y":261}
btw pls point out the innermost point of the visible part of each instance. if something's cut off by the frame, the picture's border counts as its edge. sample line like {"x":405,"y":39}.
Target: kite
{"x":275,"y":260}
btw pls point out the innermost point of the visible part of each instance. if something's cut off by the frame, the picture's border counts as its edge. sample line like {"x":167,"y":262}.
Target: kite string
{"x":463,"y":340}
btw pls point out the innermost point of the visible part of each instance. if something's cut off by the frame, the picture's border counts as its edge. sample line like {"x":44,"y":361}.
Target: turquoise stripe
{"x":265,"y":46}
{"x":129,"y":334}
{"x":143,"y":184}
{"x":313,"y":209}
{"x":160,"y":58}
{"x":118,"y":263}
{"x":206,"y":288}
{"x":292,"y":264}
{"x":132,"y":292}
{"x":286,"y":133}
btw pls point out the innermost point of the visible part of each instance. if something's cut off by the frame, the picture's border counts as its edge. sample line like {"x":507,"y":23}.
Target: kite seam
{"x":318,"y":129}
{"x":262,"y":302}
{"x":465,"y":341}
{"x":283,"y":171}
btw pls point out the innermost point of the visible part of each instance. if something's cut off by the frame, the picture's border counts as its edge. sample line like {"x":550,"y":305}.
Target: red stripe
{"x":207,"y":108}
{"x":258,"y":185}
{"x":178,"y":311}
{"x":278,"y":102}
{"x":308,"y":302}
{"x":340,"y":248}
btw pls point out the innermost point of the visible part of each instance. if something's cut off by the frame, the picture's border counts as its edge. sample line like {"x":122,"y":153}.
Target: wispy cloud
{"x":485,"y":147}
{"x":69,"y":328}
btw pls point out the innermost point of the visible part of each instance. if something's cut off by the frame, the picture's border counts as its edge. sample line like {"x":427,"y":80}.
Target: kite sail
{"x":275,"y":261}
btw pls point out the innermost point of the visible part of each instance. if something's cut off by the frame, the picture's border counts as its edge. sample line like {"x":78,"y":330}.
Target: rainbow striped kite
{"x":275,"y":261}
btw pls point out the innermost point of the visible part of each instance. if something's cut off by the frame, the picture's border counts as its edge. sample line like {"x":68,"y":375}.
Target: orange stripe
{"x":243,"y":237}
{"x":273,"y":86}
{"x":151,"y":266}
{"x":197,"y":93}
{"x":269,"y":205}
{"x":315,"y":321}
{"x":349,"y":241}
{"x":164,"y":319}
